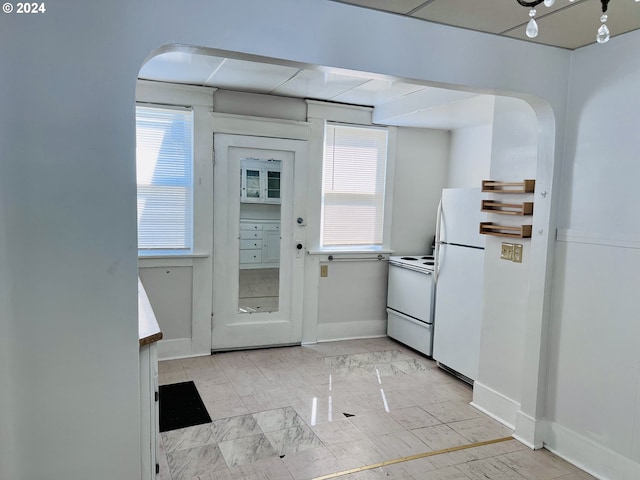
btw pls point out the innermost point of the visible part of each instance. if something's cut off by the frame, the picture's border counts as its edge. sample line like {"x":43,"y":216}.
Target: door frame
{"x":222,"y":268}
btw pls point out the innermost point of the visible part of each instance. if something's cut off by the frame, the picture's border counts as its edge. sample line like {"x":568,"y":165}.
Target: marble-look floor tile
{"x":242,"y":451}
{"x":439,"y":437}
{"x":399,"y":445}
{"x":449,"y":473}
{"x":267,"y":469}
{"x":278,"y":419}
{"x":412,"y":365}
{"x":379,"y":473}
{"x":218,"y":475}
{"x":376,"y":423}
{"x":170,"y":366}
{"x":235,"y":427}
{"x":339,"y":431}
{"x":312,"y":463}
{"x":169,"y":378}
{"x":186,"y":464}
{"x":489,"y":468}
{"x":414,"y":417}
{"x":189,"y":437}
{"x":480,"y":429}
{"x":292,"y":440}
{"x":536,"y":464}
{"x":452,"y":411}
{"x":356,"y":454}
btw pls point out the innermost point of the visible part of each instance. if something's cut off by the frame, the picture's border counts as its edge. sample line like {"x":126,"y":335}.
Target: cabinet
{"x":259,"y":243}
{"x":260,"y":180}
{"x":148,"y":335}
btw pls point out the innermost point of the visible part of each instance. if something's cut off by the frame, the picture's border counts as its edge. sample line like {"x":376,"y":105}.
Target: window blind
{"x":353,"y":181}
{"x":164,"y":170}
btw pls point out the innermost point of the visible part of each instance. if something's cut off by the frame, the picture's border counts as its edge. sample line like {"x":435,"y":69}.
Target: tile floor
{"x":259,"y":289}
{"x":303,"y":412}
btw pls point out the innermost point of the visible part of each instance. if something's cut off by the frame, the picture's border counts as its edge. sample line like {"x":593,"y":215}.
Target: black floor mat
{"x":181,"y":406}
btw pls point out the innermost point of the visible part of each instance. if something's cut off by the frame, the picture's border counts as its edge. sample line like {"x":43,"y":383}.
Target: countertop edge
{"x":148,"y":329}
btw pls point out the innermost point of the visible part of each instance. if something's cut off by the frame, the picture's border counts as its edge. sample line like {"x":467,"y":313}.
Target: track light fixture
{"x":602,"y":35}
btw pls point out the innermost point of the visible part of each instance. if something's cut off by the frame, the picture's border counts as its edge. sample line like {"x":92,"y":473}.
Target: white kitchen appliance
{"x":410,"y":301}
{"x":459,"y":274}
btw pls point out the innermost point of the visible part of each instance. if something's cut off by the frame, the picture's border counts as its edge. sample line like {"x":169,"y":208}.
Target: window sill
{"x":171,"y":254}
{"x":350,"y":251}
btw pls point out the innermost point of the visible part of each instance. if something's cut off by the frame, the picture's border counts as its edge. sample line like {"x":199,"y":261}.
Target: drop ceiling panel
{"x":577,"y":26}
{"x":396,"y":6}
{"x":250,"y":76}
{"x":179,"y":67}
{"x":376,"y":92}
{"x":506,"y":17}
{"x":473,"y":111}
{"x":494,"y":16}
{"x":318,"y":84}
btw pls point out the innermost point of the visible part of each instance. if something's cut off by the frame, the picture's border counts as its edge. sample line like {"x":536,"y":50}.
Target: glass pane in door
{"x":273,"y":185}
{"x":259,"y":268}
{"x":253,"y":183}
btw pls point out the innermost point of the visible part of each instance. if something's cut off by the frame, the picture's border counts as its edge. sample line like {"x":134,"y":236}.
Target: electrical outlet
{"x":324,"y":270}
{"x":517,"y":253}
{"x":506,"y":252}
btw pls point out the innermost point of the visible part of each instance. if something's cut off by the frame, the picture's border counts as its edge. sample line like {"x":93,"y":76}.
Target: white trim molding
{"x":530,"y":431}
{"x":495,"y":404}
{"x":328,"y":332}
{"x":603,"y":463}
{"x":571,"y":235}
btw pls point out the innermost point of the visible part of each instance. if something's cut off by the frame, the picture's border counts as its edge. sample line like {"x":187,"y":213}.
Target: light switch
{"x":517,"y":253}
{"x":506,"y":252}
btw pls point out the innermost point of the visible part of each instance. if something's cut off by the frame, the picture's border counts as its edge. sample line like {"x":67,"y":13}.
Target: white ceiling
{"x":395,"y":102}
{"x":566,"y":24}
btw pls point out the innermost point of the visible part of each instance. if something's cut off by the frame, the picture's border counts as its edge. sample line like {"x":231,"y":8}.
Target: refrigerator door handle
{"x":436,"y":253}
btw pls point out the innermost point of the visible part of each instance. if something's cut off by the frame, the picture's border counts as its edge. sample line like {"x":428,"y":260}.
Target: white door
{"x":257,"y":299}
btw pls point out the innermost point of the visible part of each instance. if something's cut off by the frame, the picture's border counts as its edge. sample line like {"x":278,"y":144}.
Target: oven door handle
{"x":409,"y":319}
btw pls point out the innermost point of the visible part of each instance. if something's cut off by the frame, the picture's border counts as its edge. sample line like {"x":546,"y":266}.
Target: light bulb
{"x":549,"y":3}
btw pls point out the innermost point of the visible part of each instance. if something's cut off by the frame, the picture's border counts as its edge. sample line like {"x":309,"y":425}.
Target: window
{"x":353,"y":182}
{"x":164,"y":164}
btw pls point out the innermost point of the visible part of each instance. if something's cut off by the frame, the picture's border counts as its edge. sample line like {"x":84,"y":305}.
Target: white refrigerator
{"x":459,"y":282}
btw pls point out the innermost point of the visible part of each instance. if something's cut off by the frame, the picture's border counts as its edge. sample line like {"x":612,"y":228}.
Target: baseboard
{"x":495,"y":404}
{"x":530,"y":431}
{"x":328,"y":332}
{"x":590,"y":456}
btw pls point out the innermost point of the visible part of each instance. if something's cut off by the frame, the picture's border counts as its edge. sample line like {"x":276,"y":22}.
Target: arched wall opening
{"x":521,"y":145}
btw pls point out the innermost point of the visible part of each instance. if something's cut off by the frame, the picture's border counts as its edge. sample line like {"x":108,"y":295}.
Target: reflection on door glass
{"x":259,"y":273}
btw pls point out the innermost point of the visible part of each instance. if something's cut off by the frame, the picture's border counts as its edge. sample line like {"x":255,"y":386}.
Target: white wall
{"x":421,"y":165}
{"x":7,"y":426}
{"x":470,"y":157}
{"x":70,"y":147}
{"x":513,"y":158}
{"x":593,"y":398}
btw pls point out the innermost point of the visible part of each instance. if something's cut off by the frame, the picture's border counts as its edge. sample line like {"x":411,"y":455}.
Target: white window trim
{"x":392,"y":133}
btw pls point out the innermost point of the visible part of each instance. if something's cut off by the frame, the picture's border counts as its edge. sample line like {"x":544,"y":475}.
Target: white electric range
{"x":410,"y":301}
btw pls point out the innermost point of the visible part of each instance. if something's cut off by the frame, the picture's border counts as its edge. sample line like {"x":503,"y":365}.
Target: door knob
{"x":299,"y":246}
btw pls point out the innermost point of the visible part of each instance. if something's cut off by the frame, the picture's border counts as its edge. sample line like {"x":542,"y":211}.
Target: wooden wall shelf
{"x":491,"y":206}
{"x":519,"y":231}
{"x":526,"y":186}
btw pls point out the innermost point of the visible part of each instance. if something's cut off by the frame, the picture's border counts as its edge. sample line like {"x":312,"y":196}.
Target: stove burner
{"x":408,"y":258}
